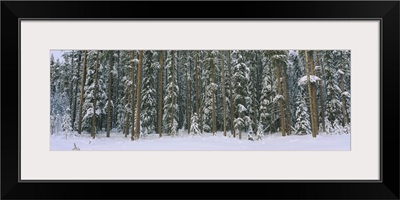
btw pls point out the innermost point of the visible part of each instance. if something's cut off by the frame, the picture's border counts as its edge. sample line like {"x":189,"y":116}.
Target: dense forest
{"x":236,"y":93}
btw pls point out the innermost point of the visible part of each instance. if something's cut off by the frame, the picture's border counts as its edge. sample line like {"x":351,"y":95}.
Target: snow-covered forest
{"x":246,"y":96}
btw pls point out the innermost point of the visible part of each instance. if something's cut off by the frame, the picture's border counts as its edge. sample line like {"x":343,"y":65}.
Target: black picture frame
{"x":386,"y":11}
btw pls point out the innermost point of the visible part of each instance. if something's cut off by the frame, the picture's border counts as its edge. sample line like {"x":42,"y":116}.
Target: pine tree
{"x":302,"y":125}
{"x":278,"y":58}
{"x":110,"y":103}
{"x":138,"y":95}
{"x":194,"y":127}
{"x":267,"y":94}
{"x":148,"y":110}
{"x":240,"y":80}
{"x":95,"y":86}
{"x":209,"y":96}
{"x":170,"y":106}
{"x":333,"y":104}
{"x":67,"y":123}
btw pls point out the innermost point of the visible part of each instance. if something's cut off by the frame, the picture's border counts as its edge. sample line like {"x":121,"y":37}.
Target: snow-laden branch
{"x":313,"y":79}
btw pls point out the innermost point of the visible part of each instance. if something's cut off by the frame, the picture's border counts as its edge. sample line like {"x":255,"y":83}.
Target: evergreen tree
{"x":240,"y":91}
{"x":194,"y":126}
{"x":302,"y":125}
{"x":170,"y":105}
{"x":148,"y":110}
{"x":333,"y":105}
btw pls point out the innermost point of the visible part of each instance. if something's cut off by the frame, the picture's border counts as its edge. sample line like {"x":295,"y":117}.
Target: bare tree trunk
{"x":160,"y":93}
{"x":230,"y":93}
{"x":314,"y":93}
{"x":76,"y":93}
{"x":282,"y":118}
{"x":82,"y":91}
{"x":187,"y":99}
{"x":223,"y":90}
{"x":314,"y":133}
{"x":95,"y":96}
{"x":321,"y":97}
{"x":287,"y":103}
{"x":109,"y":94}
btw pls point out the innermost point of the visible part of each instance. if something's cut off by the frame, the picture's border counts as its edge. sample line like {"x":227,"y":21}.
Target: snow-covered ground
{"x":183,"y":141}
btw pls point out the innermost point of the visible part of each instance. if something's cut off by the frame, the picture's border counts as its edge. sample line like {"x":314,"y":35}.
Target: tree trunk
{"x":314,"y":94}
{"x":197,"y":80}
{"x":187,"y":99}
{"x":173,"y":88}
{"x":139,"y":82}
{"x":287,"y":103}
{"x":230,"y":93}
{"x":76,"y":92}
{"x":83,"y":82}
{"x":95,"y":96}
{"x":133,"y":97}
{"x":314,"y":133}
{"x":282,"y":118}
{"x":223,"y":90}
{"x":130,"y":99}
{"x":127,"y":100}
{"x":214,"y":126}
{"x":109,"y":94}
{"x":160,"y":93}
{"x":321,"y":97}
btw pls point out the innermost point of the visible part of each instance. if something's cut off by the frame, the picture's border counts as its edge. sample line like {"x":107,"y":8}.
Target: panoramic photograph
{"x":200,"y":100}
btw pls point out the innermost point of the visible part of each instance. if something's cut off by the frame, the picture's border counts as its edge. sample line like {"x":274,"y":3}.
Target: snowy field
{"x":183,"y":141}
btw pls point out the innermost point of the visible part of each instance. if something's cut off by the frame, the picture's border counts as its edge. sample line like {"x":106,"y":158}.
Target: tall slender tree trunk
{"x":109,"y":93}
{"x":287,"y":103}
{"x":314,"y":93}
{"x":282,"y":118}
{"x":116,"y":93}
{"x":83,"y":82}
{"x":187,"y":99}
{"x":95,"y":96}
{"x":139,"y":83}
{"x":230,"y":93}
{"x":314,"y":133}
{"x":197,"y":80}
{"x":76,"y":92}
{"x":133,"y":97}
{"x":173,"y":88}
{"x":160,"y":93}
{"x":223,"y":90}
{"x":321,"y":95}
{"x":130,"y":95}
{"x":214,"y":126}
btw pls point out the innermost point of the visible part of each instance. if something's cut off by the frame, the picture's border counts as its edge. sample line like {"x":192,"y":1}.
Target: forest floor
{"x":183,"y":141}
